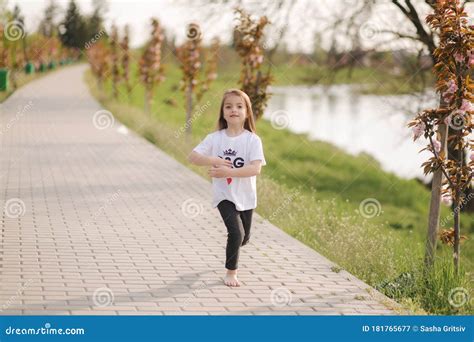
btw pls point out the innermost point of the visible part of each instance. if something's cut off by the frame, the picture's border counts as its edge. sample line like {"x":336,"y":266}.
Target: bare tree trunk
{"x":456,"y":249}
{"x":147,"y":102}
{"x":14,"y":78}
{"x":459,"y":202}
{"x":257,"y":86}
{"x":189,"y":108}
{"x":433,"y":219}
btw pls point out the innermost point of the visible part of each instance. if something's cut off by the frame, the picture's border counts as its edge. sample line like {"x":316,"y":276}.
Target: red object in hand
{"x":229,"y":180}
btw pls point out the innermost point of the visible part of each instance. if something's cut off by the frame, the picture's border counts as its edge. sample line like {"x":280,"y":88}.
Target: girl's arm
{"x":202,"y":160}
{"x":247,"y":171}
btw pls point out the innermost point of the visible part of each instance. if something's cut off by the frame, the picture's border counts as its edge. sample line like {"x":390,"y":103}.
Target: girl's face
{"x":234,"y":110}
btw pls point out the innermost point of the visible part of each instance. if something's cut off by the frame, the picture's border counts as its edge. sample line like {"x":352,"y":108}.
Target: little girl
{"x":235,"y":155}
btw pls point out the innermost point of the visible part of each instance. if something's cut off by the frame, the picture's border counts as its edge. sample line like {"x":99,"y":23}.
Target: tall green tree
{"x":48,"y":26}
{"x":73,"y":32}
{"x":96,"y":21}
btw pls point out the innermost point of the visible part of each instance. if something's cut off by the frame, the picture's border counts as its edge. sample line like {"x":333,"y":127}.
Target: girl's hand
{"x":216,"y":161}
{"x":220,"y":171}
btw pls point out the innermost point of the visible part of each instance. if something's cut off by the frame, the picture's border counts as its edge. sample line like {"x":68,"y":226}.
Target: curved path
{"x":95,"y":221}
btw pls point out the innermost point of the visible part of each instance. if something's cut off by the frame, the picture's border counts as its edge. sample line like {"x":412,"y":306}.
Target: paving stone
{"x":101,"y":219}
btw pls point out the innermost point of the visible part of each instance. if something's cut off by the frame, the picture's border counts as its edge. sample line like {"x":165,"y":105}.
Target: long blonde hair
{"x":249,"y":123}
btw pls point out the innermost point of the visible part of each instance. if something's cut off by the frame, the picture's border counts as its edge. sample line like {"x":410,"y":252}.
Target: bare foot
{"x":231,"y":279}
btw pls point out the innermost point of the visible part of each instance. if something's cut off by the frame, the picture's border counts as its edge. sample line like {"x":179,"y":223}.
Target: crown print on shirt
{"x":230,"y":152}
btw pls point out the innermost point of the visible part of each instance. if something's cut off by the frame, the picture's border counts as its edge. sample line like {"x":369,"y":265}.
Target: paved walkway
{"x":100,"y":221}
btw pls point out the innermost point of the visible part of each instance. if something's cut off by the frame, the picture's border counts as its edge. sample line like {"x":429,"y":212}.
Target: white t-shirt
{"x":240,"y":150}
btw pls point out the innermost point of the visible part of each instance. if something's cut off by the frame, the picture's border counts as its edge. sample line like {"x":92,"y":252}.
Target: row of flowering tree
{"x":110,"y":59}
{"x":449,"y":125}
{"x":21,"y":53}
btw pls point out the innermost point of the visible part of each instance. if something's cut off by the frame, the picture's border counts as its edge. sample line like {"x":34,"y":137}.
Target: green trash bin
{"x":29,"y":68}
{"x":4,"y":79}
{"x":52,"y":65}
{"x":42,"y":67}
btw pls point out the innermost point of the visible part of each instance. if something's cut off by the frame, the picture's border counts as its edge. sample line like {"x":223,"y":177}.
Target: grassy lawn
{"x":313,"y":191}
{"x":374,"y":81}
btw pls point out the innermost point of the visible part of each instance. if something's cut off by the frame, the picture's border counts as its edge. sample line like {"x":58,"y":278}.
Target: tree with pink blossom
{"x":99,"y":59}
{"x":115,"y":59}
{"x":150,"y":67}
{"x":452,"y":174}
{"x":248,"y":34}
{"x":195,"y":83}
{"x":125,"y":61}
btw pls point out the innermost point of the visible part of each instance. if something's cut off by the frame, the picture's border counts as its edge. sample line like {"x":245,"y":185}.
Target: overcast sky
{"x":176,"y":14}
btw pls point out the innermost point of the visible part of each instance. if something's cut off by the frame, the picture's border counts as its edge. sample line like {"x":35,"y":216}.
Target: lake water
{"x":374,"y":124}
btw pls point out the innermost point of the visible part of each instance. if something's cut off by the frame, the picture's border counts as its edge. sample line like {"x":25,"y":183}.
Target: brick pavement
{"x":100,"y":221}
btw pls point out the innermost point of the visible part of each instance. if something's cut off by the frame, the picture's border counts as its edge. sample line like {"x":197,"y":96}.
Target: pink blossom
{"x":470,"y":54}
{"x":418,"y":130}
{"x":466,"y":105}
{"x":458,"y":57}
{"x":437,"y":145}
{"x":447,"y":119}
{"x":452,"y":87}
{"x":446,"y":199}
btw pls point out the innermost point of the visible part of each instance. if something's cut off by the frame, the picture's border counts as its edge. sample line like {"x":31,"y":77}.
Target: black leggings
{"x":238,"y":231}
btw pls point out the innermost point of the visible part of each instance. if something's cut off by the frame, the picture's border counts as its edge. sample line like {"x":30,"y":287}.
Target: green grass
{"x":312,"y":190}
{"x":370,"y":80}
